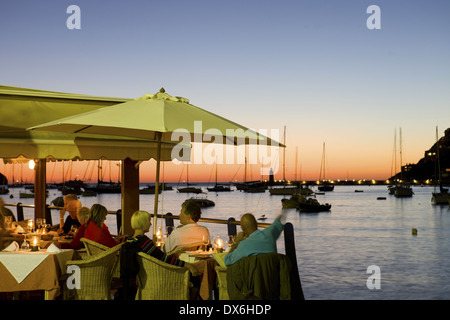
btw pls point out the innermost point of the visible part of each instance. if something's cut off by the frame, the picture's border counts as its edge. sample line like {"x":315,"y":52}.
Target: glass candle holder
{"x":219,"y":245}
{"x":34,"y":243}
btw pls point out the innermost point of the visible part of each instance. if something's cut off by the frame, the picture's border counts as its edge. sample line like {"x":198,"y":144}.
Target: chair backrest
{"x":158,"y":280}
{"x":221,"y":279}
{"x":95,"y":276}
{"x":263,"y":276}
{"x":93,"y":248}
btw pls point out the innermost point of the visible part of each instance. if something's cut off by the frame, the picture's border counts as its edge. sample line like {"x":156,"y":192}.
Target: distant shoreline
{"x":287,"y":183}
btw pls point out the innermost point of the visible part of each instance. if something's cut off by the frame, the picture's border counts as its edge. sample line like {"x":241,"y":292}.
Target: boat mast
{"x":284,"y":156}
{"x":401,"y":167}
{"x":322,"y":164}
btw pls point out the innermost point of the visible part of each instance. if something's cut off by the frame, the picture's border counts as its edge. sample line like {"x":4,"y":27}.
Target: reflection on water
{"x":334,"y":249}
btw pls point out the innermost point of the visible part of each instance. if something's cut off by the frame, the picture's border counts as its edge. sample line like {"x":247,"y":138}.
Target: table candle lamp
{"x":34,"y":243}
{"x":31,"y":225}
{"x":158,"y":237}
{"x":219,"y":245}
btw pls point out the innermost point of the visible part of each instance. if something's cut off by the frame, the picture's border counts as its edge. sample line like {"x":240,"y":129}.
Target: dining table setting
{"x":205,"y":259}
{"x":33,"y":259}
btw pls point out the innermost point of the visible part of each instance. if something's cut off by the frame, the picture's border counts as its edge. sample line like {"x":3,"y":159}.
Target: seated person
{"x":139,"y":242}
{"x":71,"y":205}
{"x":5,"y":235}
{"x":96,"y":230}
{"x":252,"y":241}
{"x":83,"y":216}
{"x":4,"y":212}
{"x":189,"y":232}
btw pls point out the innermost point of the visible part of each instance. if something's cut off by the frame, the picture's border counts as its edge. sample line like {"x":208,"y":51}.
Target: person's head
{"x":248,"y":224}
{"x":97,"y":214}
{"x":140,"y":220}
{"x":83,"y":215}
{"x":190,"y":212}
{"x":69,"y":197}
{"x":72,"y":208}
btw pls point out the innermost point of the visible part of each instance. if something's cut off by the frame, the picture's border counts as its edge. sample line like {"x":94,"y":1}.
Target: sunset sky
{"x":312,"y":66}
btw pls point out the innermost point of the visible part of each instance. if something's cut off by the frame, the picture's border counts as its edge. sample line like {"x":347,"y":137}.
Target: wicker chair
{"x":95,"y":276}
{"x":93,"y":248}
{"x":158,"y":280}
{"x":222,"y":282}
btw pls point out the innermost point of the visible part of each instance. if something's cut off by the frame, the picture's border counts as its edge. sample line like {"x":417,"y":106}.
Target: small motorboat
{"x":189,"y":190}
{"x":293,"y":201}
{"x":305,"y":204}
{"x":312,"y":205}
{"x":203,"y":202}
{"x":219,"y":188}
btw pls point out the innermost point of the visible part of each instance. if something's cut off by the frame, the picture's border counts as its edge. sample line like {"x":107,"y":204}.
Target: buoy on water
{"x":414,"y":231}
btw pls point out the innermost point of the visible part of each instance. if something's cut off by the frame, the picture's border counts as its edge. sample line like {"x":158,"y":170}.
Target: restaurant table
{"x":62,"y":242}
{"x":205,"y":264}
{"x":25,"y":270}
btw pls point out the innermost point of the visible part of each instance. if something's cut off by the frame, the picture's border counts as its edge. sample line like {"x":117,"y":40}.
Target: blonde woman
{"x":129,"y":266}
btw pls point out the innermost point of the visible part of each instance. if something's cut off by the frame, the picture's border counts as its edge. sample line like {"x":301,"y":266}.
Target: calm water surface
{"x":334,"y":249}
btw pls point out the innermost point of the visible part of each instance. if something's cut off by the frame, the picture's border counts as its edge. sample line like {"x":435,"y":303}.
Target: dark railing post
{"x":169,"y":222}
{"x":48,"y":215}
{"x":231,"y":227}
{"x":19,"y":211}
{"x":289,"y":242}
{"x":119,"y":220}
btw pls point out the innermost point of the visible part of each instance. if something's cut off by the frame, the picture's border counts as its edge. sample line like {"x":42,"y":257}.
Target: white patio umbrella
{"x":158,"y":116}
{"x":21,"y":108}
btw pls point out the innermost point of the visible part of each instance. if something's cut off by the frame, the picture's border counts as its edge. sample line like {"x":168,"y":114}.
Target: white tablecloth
{"x":21,"y":263}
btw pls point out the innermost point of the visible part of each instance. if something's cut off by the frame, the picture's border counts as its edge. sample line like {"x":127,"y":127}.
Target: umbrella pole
{"x":158,"y":161}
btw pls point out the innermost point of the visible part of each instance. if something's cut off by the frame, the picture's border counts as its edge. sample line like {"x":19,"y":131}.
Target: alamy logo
{"x":260,"y":153}
{"x":74,"y":20}
{"x":374,"y":21}
{"x":374,"y":281}
{"x":73,"y":281}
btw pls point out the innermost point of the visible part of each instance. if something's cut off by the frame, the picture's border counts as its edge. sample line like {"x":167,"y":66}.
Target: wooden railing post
{"x":289,"y":243}
{"x":48,"y":215}
{"x":169,"y":222}
{"x":19,"y":211}
{"x":119,"y":221}
{"x":231,"y":227}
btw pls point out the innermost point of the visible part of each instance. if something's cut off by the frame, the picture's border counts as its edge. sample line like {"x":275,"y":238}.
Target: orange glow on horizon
{"x":176,"y":173}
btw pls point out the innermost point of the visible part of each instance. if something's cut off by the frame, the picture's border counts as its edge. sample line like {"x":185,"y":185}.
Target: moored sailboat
{"x":324,"y":185}
{"x":219,"y":187}
{"x":402,"y":189}
{"x":189,"y":189}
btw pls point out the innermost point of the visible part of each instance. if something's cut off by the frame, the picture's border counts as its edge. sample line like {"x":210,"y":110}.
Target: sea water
{"x":336,"y":248}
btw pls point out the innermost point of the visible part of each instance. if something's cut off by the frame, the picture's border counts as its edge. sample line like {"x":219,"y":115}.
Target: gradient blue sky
{"x":312,"y":66}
